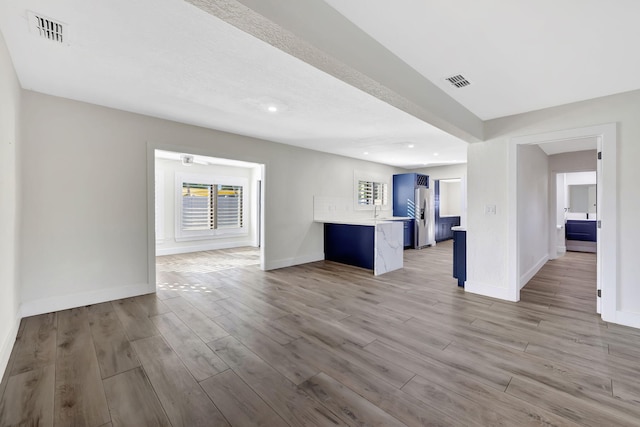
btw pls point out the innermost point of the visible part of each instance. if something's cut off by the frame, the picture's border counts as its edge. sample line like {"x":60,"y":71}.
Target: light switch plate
{"x":490,"y":209}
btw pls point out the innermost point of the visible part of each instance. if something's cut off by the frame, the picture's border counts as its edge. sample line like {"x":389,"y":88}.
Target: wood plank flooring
{"x":324,"y":344}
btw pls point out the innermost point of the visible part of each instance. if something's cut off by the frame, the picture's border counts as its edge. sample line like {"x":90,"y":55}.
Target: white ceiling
{"x":569,"y":145}
{"x":518,"y":55}
{"x":169,"y":59}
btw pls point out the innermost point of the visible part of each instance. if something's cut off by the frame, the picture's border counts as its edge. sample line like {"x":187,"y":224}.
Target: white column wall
{"x":10,"y":142}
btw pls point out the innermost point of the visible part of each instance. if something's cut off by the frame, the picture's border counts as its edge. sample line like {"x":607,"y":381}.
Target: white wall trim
{"x":204,"y":247}
{"x":64,"y":302}
{"x":524,"y":279}
{"x":289,"y":262}
{"x":489,"y":290}
{"x":7,"y":345}
{"x":627,"y":318}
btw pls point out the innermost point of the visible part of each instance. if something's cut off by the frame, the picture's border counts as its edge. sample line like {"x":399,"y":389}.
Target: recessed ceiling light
{"x":272,"y":109}
{"x":435,"y":154}
{"x":410,"y":145}
{"x":365,"y":153}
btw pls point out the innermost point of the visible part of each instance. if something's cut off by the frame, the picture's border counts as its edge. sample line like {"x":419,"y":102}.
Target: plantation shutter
{"x":229,"y":204}
{"x":198,"y":206}
{"x":369,"y":192}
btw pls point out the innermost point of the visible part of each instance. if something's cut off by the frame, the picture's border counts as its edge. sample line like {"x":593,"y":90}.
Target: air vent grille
{"x":47,"y":28}
{"x":458,"y":81}
{"x":422,"y":181}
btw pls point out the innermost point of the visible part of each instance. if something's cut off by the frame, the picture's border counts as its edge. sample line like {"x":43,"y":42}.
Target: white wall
{"x":169,"y":245}
{"x":10,"y":141}
{"x":85,"y":222}
{"x":450,"y":198}
{"x":576,"y":161}
{"x":487,"y":243}
{"x":444,"y":172}
{"x":533,"y":209}
{"x":488,"y":171}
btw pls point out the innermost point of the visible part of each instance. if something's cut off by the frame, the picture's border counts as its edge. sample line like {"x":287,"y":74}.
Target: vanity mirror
{"x":582,"y":198}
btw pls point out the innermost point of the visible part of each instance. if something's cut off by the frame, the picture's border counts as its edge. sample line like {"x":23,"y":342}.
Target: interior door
{"x":598,"y":234}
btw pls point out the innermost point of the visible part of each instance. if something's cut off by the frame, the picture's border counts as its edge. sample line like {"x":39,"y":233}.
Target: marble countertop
{"x":364,"y":221}
{"x":459,"y":228}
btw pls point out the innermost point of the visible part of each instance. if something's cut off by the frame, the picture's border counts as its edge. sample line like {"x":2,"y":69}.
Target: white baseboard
{"x":524,"y":279}
{"x":488,"y":291}
{"x":63,"y":302}
{"x":210,"y":246}
{"x":288,"y":262}
{"x":627,"y":318}
{"x":7,"y":345}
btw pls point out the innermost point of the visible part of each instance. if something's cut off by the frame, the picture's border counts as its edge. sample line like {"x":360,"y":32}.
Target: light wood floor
{"x":327,"y":344}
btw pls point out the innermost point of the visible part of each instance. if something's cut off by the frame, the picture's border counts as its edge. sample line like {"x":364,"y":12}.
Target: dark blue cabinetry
{"x":404,"y":202}
{"x":581,"y":230}
{"x":408,"y":233}
{"x":443,"y":227}
{"x":460,"y":256}
{"x":443,"y":224}
{"x":349,"y":244}
{"x":404,"y":187}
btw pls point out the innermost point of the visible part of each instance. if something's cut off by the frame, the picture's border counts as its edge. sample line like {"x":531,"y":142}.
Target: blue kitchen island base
{"x":374,"y":245}
{"x":349,"y":244}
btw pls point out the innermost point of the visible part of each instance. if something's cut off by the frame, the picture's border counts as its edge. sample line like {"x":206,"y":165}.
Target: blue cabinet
{"x":404,"y":192}
{"x":581,"y":230}
{"x":408,"y":233}
{"x":408,"y":190}
{"x":443,"y":227}
{"x":460,"y":256}
{"x":349,"y":244}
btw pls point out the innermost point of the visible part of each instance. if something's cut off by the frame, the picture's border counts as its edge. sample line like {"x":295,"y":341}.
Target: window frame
{"x":159,"y":205}
{"x":182,"y":235}
{"x":373,"y":179}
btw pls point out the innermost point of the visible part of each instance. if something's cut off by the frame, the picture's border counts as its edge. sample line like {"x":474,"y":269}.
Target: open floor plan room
{"x":328,"y":344}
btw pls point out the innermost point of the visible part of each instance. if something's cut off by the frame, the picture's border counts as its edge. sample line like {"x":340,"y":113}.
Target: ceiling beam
{"x":315,"y":33}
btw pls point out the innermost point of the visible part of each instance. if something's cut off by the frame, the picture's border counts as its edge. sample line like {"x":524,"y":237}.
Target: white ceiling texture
{"x":360,"y":78}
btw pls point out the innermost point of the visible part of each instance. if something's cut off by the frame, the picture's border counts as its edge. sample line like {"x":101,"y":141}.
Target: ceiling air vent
{"x":458,"y":81}
{"x":48,"y":28}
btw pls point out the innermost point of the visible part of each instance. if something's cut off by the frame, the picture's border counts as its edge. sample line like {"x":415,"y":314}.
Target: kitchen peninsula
{"x":375,"y":244}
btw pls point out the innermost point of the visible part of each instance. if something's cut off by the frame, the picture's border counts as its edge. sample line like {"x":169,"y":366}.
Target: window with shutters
{"x":372,"y":193}
{"x":209,"y":207}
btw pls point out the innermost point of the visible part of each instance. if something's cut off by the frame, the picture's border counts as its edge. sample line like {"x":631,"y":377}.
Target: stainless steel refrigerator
{"x":425,"y":230}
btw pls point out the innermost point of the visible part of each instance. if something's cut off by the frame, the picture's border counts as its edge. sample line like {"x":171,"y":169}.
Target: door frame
{"x":607,"y":188}
{"x":151,"y":220}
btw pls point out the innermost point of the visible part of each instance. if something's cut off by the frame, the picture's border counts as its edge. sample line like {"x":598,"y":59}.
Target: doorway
{"x":607,"y":223}
{"x":207,"y":217}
